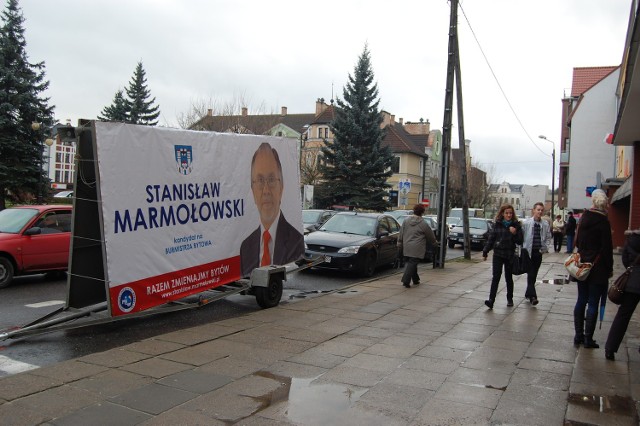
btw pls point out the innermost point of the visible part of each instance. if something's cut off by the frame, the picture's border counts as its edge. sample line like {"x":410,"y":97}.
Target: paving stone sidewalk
{"x":371,"y":354}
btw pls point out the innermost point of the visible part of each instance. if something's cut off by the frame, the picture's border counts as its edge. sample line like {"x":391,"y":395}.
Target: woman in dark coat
{"x":506,"y":233}
{"x":593,"y":240}
{"x":631,"y":295}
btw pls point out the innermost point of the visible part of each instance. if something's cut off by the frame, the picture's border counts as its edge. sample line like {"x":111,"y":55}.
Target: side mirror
{"x":33,"y":231}
{"x":383,"y":234}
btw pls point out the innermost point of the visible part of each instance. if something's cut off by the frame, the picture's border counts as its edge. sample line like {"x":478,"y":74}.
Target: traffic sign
{"x":425,"y":202}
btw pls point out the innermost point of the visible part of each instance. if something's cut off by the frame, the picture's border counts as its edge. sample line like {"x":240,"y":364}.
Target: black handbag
{"x":616,"y":291}
{"x":520,"y":262}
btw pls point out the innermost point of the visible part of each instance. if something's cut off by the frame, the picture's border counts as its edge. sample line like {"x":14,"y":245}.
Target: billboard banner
{"x":178,"y":207}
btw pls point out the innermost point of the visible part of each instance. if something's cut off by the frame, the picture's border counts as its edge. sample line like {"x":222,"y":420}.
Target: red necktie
{"x":266,"y":257}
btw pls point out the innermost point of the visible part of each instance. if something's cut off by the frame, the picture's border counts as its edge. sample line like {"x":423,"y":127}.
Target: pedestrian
{"x":570,"y":231}
{"x":414,"y":236}
{"x":593,"y":242}
{"x":558,"y":229}
{"x":537,"y":235}
{"x":503,"y":238}
{"x":630,"y":257}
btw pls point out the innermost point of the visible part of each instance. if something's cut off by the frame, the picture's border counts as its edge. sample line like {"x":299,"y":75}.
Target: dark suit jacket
{"x":289,"y":247}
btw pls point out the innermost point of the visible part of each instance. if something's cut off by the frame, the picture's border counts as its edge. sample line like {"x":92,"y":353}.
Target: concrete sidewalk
{"x":372,"y":354}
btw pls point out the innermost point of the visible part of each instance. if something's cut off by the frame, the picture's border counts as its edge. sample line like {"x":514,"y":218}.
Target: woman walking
{"x":537,"y":234}
{"x":593,"y":241}
{"x":631,"y":298}
{"x":504,"y":237}
{"x":558,"y":229}
{"x":414,"y":236}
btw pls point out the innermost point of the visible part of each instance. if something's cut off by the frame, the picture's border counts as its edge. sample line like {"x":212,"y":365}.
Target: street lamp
{"x":553,"y":172}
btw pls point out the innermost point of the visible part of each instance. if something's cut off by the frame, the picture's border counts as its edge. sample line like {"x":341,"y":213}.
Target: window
{"x":395,"y":166}
{"x":421,"y":165}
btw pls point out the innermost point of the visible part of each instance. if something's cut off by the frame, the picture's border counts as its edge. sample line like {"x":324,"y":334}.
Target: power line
{"x":499,"y":85}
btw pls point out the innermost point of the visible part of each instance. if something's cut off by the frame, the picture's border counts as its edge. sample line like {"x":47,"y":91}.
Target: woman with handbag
{"x":631,"y":295}
{"x":593,"y":241}
{"x":503,"y":238}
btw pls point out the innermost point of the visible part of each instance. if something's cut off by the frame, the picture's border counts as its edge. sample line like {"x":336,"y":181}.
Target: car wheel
{"x":6,"y":272}
{"x":451,"y":244}
{"x":368,"y":265}
{"x":268,"y":297}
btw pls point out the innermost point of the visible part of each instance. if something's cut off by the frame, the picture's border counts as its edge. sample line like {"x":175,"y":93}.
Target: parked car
{"x":314,"y":219}
{"x":352,"y":241}
{"x":453,"y":221}
{"x":397,"y":213}
{"x":34,"y":239}
{"x":64,"y":194}
{"x":478,"y":229}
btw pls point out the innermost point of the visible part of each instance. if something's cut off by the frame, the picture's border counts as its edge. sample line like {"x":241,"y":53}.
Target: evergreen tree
{"x":117,"y":111}
{"x":21,"y":103}
{"x":139,"y":109}
{"x":357,"y":166}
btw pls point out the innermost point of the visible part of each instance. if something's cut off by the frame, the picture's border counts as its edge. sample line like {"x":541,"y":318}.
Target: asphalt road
{"x":32,"y":297}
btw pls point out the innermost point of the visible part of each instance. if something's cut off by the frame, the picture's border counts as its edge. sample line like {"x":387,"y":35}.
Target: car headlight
{"x":349,"y":249}
{"x":305,"y":246}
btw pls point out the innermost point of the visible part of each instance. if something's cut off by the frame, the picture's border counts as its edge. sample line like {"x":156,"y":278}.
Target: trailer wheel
{"x":6,"y":272}
{"x":268,"y":297}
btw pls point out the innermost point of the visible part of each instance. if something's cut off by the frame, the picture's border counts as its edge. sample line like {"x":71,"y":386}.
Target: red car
{"x":34,"y":239}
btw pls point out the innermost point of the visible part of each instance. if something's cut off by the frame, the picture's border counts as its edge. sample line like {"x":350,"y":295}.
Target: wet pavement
{"x":372,"y":354}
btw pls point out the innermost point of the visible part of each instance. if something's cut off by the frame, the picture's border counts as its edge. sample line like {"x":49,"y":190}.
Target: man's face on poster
{"x":266,"y":184}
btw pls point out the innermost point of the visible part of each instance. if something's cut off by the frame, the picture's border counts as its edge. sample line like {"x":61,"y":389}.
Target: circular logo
{"x":127,"y":299}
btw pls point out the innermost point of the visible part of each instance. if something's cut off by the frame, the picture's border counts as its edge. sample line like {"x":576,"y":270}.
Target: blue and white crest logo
{"x":184,"y":157}
{"x":127,"y":299}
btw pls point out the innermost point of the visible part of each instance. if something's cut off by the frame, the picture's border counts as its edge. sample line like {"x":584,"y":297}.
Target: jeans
{"x":589,"y":293}
{"x":532,"y":275}
{"x":570,"y":243}
{"x":498,"y":261}
{"x":411,"y":271}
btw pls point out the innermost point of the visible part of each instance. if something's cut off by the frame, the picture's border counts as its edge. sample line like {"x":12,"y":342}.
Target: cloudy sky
{"x":290,"y":52}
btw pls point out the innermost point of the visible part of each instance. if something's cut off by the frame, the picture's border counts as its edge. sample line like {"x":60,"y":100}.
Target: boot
{"x":589,"y":328}
{"x":578,"y":324}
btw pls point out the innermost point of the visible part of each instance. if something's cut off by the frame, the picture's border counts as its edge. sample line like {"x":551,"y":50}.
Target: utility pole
{"x":446,"y":134}
{"x":463,"y":150}
{"x":453,"y":72}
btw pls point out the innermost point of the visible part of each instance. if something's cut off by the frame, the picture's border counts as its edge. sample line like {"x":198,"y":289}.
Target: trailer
{"x":159,"y":218}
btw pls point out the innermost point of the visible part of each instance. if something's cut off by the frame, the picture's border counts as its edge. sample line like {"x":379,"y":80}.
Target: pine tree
{"x":21,"y":103}
{"x":117,"y":111}
{"x":357,"y":166}
{"x":139,"y":109}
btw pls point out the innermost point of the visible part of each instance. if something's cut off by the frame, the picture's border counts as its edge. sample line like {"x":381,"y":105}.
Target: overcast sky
{"x":290,"y":52}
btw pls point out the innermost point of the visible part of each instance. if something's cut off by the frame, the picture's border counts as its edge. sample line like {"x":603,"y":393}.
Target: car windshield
{"x":477,"y":223}
{"x":310,"y":216}
{"x":401,"y":219}
{"x":351,"y":224}
{"x":13,"y":220}
{"x":453,"y":221}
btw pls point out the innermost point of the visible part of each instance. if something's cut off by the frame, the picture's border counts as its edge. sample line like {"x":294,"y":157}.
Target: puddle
{"x":559,"y":280}
{"x":619,"y":405}
{"x":311,"y":404}
{"x":305,"y":294}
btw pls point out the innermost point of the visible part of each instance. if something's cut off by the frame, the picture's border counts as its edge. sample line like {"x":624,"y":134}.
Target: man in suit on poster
{"x":275,"y":241}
